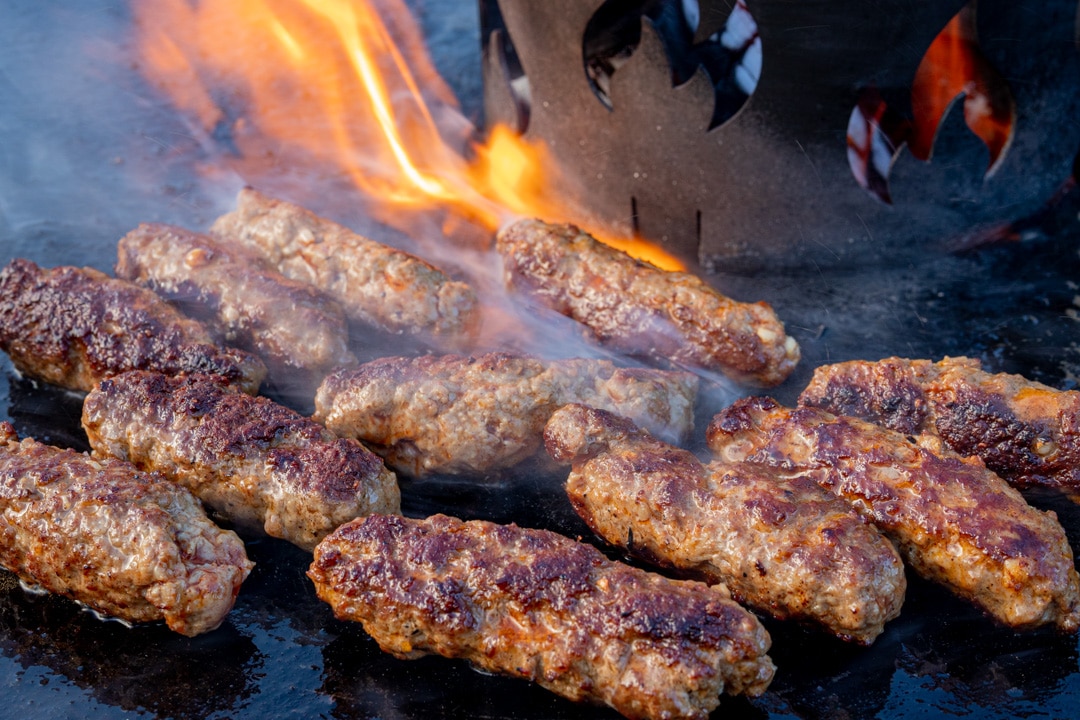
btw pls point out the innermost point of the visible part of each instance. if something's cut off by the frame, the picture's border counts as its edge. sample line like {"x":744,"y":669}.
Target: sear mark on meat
{"x":954,"y":522}
{"x":472,"y":415}
{"x":252,"y":461}
{"x":535,"y":605}
{"x":73,"y":327}
{"x":639,"y":309}
{"x":375,"y":284}
{"x":126,"y":543}
{"x":1026,"y":432}
{"x":299,"y":333}
{"x":783,"y":545}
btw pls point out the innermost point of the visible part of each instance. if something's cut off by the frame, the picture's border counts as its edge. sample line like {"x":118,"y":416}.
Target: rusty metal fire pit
{"x":655,"y":136}
{"x":87,"y":151}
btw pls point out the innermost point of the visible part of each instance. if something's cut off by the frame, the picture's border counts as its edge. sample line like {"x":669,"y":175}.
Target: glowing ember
{"x":351,"y":87}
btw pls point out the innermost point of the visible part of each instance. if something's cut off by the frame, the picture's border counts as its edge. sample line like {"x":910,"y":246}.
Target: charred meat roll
{"x":535,"y":605}
{"x":376,"y":285}
{"x":471,"y":415}
{"x":254,"y":462}
{"x":639,"y":309}
{"x":783,"y":545}
{"x":299,"y":333}
{"x":126,"y":543}
{"x":73,"y":327}
{"x":1026,"y":432}
{"x":954,"y":522}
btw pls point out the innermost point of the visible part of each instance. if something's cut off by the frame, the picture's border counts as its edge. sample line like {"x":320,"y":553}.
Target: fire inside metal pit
{"x":92,"y":147}
{"x":761,"y":135}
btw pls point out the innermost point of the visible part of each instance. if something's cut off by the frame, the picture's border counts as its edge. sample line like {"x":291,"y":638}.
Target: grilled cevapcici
{"x":639,"y":309}
{"x":783,"y":545}
{"x":1026,"y":432}
{"x":73,"y":327}
{"x":127,"y":543}
{"x":299,"y":332}
{"x":536,"y":605}
{"x":954,"y":522}
{"x":252,"y":461}
{"x":376,"y":285}
{"x":472,"y":415}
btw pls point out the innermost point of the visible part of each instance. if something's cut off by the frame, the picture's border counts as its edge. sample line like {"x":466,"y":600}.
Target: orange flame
{"x":347,"y":88}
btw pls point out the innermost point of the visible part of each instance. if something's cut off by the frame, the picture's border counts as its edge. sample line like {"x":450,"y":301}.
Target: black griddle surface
{"x":87,"y":152}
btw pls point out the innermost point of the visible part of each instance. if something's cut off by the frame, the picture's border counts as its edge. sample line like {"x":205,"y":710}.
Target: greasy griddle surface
{"x":72,"y":186}
{"x":281,"y":649}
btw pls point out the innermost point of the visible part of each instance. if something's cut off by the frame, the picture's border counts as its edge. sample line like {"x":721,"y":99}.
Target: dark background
{"x":87,"y":151}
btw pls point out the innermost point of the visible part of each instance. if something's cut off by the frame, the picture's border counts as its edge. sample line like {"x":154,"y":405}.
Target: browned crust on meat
{"x":1025,"y":431}
{"x":640,"y":309}
{"x":126,"y":543}
{"x":885,"y":393}
{"x":782,"y":545}
{"x":257,"y":463}
{"x":955,"y":522}
{"x":539,"y":606}
{"x":299,"y":332}
{"x":73,"y":327}
{"x":376,"y":285}
{"x":474,"y":415}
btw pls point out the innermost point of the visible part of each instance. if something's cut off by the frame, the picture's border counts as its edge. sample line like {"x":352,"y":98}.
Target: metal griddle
{"x":87,"y":152}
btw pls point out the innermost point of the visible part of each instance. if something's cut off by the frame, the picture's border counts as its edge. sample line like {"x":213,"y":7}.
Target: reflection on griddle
{"x":995,"y":672}
{"x":939,"y":647}
{"x":365,"y":682}
{"x":278,"y":593}
{"x":145,"y":668}
{"x":531,"y":495}
{"x":46,"y":413}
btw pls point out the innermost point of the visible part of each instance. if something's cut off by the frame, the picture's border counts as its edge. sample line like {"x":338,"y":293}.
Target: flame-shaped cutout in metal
{"x":875,"y":136}
{"x":712,"y":36}
{"x":953,"y":67}
{"x":507,"y":96}
{"x":708,"y":35}
{"x":769,"y":187}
